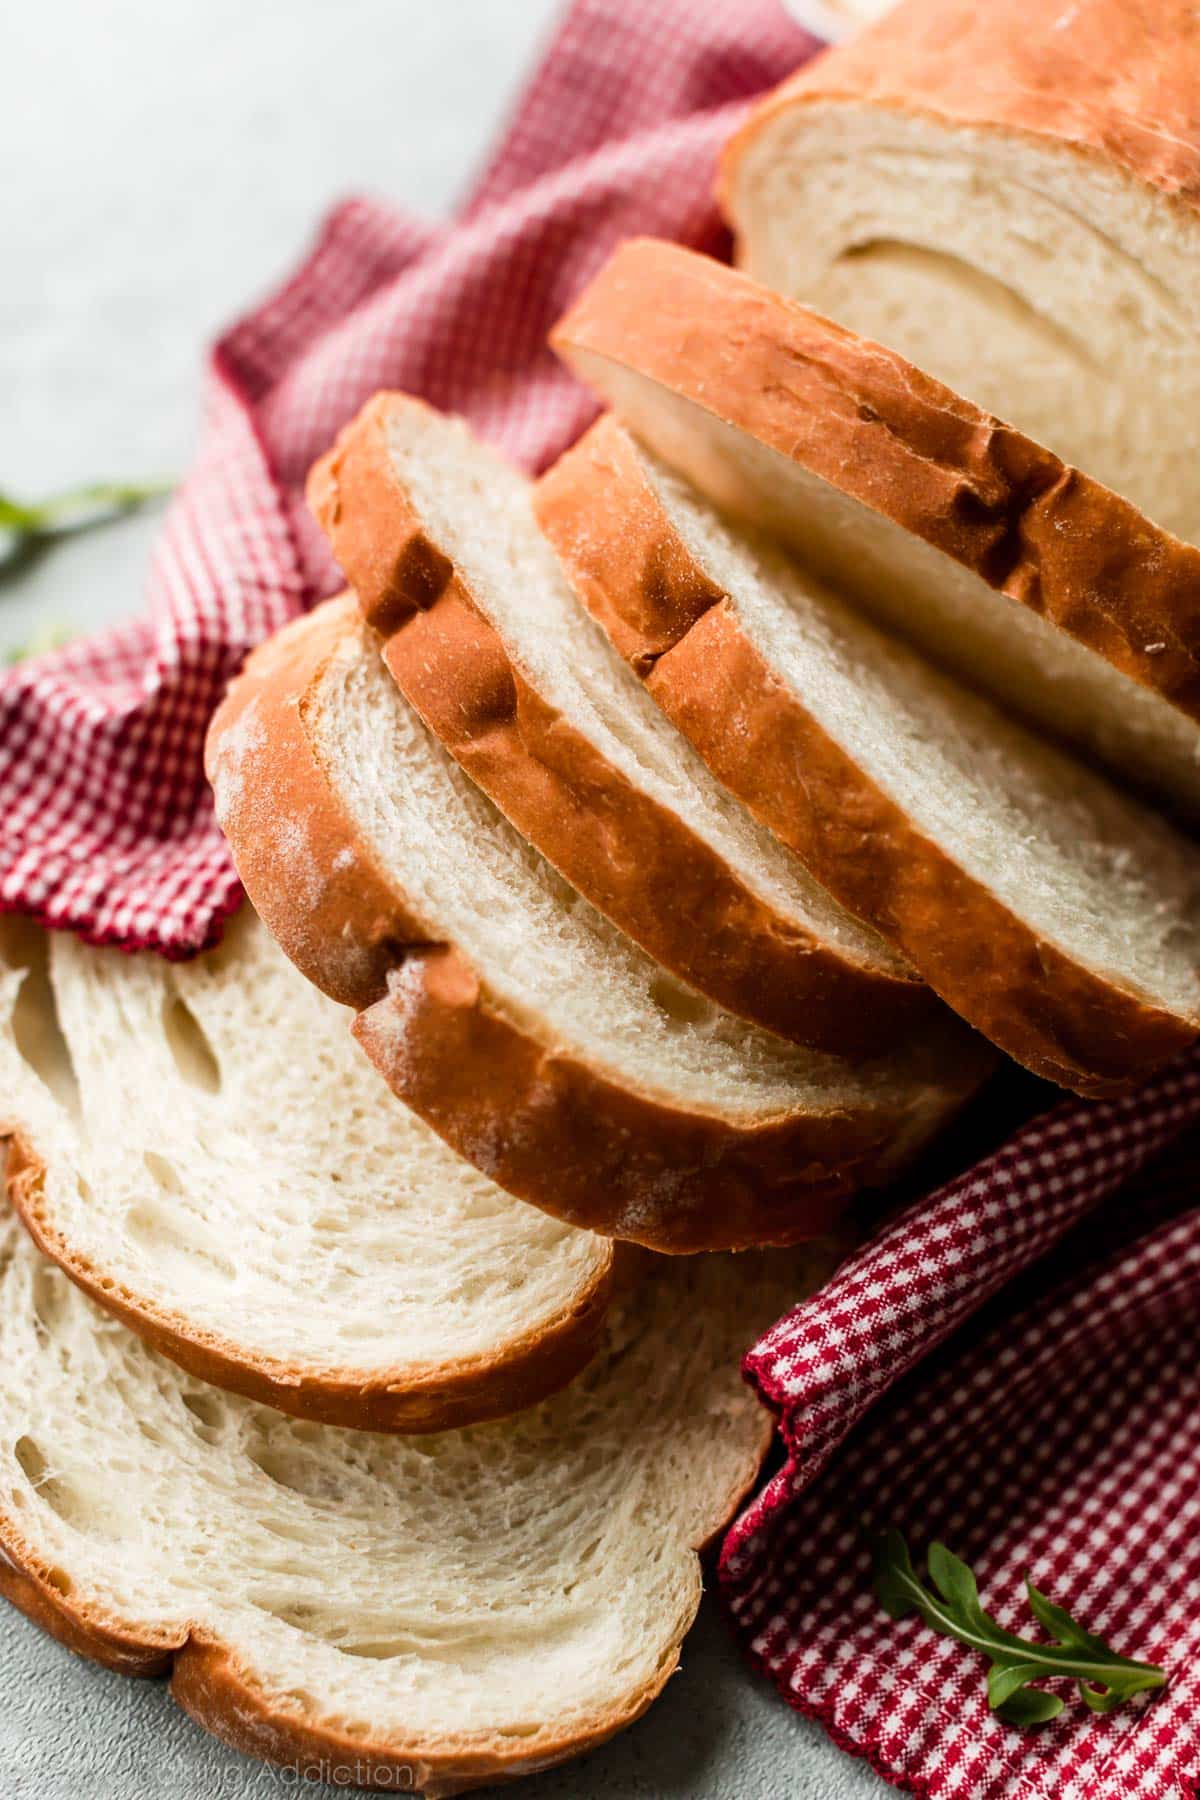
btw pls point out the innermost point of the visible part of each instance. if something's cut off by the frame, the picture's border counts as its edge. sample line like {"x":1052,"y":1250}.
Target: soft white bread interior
{"x":1022,"y":576}
{"x":203,"y":1147}
{"x":1055,"y":914}
{"x":835,"y":19}
{"x":537,"y":1039}
{"x":436,"y":535}
{"x":442,"y":1611}
{"x":1006,"y":195}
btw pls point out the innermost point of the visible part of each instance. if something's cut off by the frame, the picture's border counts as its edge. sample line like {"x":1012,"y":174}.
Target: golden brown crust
{"x":258,"y":757}
{"x":861,"y":418}
{"x":634,"y":859}
{"x":564,"y":1136}
{"x":213,"y":1685}
{"x":539,"y":1120}
{"x":682,"y":632}
{"x":415,"y":1398}
{"x":1104,"y":79}
{"x":215,"y":1689}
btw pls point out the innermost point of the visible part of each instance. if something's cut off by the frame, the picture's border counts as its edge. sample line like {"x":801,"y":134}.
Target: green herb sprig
{"x":53,"y":636}
{"x":23,"y":520}
{"x":1105,"y":1680}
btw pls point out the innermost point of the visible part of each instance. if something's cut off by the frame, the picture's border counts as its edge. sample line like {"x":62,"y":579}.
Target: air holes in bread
{"x":208,"y":1412}
{"x":912,"y":268}
{"x":682,"y":1005}
{"x":305,"y":1476}
{"x":57,"y":1494}
{"x":190,"y":1048}
{"x":156,"y":1232}
{"x":48,"y":1297}
{"x":164,"y":1173}
{"x":35,"y":1022}
{"x":30,"y":1459}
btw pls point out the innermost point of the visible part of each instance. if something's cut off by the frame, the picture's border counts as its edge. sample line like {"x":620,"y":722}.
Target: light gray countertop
{"x":164,"y":162}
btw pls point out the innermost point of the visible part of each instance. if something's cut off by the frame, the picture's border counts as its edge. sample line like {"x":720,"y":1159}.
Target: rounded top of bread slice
{"x":545,"y":1046}
{"x":448,"y":1609}
{"x":203,"y":1148}
{"x":512,"y":674}
{"x":1021,"y":574}
{"x":1053,"y":913}
{"x":1006,"y":194}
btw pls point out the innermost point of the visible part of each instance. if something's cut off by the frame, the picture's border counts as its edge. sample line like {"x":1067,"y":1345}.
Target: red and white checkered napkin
{"x":107,"y":823}
{"x":1054,"y":1430}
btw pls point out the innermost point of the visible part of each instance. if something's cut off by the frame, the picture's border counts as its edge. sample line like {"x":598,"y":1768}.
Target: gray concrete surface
{"x":163,"y":161}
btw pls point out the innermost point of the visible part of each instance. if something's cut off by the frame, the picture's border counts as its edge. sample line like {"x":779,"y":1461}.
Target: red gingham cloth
{"x":1056,"y":1432}
{"x":1056,"y":1429}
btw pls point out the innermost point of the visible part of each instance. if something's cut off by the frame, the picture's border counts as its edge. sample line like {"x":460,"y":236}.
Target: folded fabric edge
{"x":867,"y":1746}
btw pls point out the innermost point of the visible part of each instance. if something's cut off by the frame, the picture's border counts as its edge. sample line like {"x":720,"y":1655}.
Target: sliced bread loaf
{"x":540,"y":1042}
{"x":428,"y":1615}
{"x":204,"y":1150}
{"x":1008,"y":194}
{"x":1053,"y":913}
{"x":1023,"y":576}
{"x":437,"y":537}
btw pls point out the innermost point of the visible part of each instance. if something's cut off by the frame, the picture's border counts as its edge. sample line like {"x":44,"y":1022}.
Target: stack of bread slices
{"x":644,"y":861}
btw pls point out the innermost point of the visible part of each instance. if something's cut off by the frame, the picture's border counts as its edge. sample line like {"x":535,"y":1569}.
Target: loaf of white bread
{"x":643,"y":829}
{"x":1008,"y":196}
{"x":1057,"y":915}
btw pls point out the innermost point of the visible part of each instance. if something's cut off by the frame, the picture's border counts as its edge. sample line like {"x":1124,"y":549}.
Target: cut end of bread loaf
{"x":1020,"y":574}
{"x":1047,"y":909}
{"x":441,"y":1613}
{"x":525,"y":691}
{"x":534,"y":1037}
{"x":203,"y":1150}
{"x":1006,"y":195}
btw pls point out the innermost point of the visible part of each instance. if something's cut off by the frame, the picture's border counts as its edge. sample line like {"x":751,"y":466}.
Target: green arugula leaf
{"x":46,"y":637}
{"x":22,"y":520}
{"x":1104,"y":1679}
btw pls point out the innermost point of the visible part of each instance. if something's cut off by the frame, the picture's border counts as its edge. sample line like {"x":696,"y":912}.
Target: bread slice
{"x":536,"y":1039}
{"x":204,"y":1150}
{"x":1009,"y":195}
{"x":427,"y":1614}
{"x":1021,"y":575}
{"x":437,"y":537}
{"x":1050,"y":911}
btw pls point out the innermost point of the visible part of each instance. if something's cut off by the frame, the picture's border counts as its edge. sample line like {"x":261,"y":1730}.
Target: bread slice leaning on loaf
{"x":429,"y":1615}
{"x":1056,"y":915}
{"x":1024,"y":577}
{"x":536,"y":1039}
{"x":1009,"y":195}
{"x":204,"y":1150}
{"x":437,"y":538}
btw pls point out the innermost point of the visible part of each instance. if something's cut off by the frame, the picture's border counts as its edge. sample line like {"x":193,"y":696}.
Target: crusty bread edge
{"x":863,"y":419}
{"x":1013,"y":70}
{"x":412,"y":1398}
{"x":564,"y":795}
{"x":212,"y":1683}
{"x":539,"y":1120}
{"x":1055,"y":1016}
